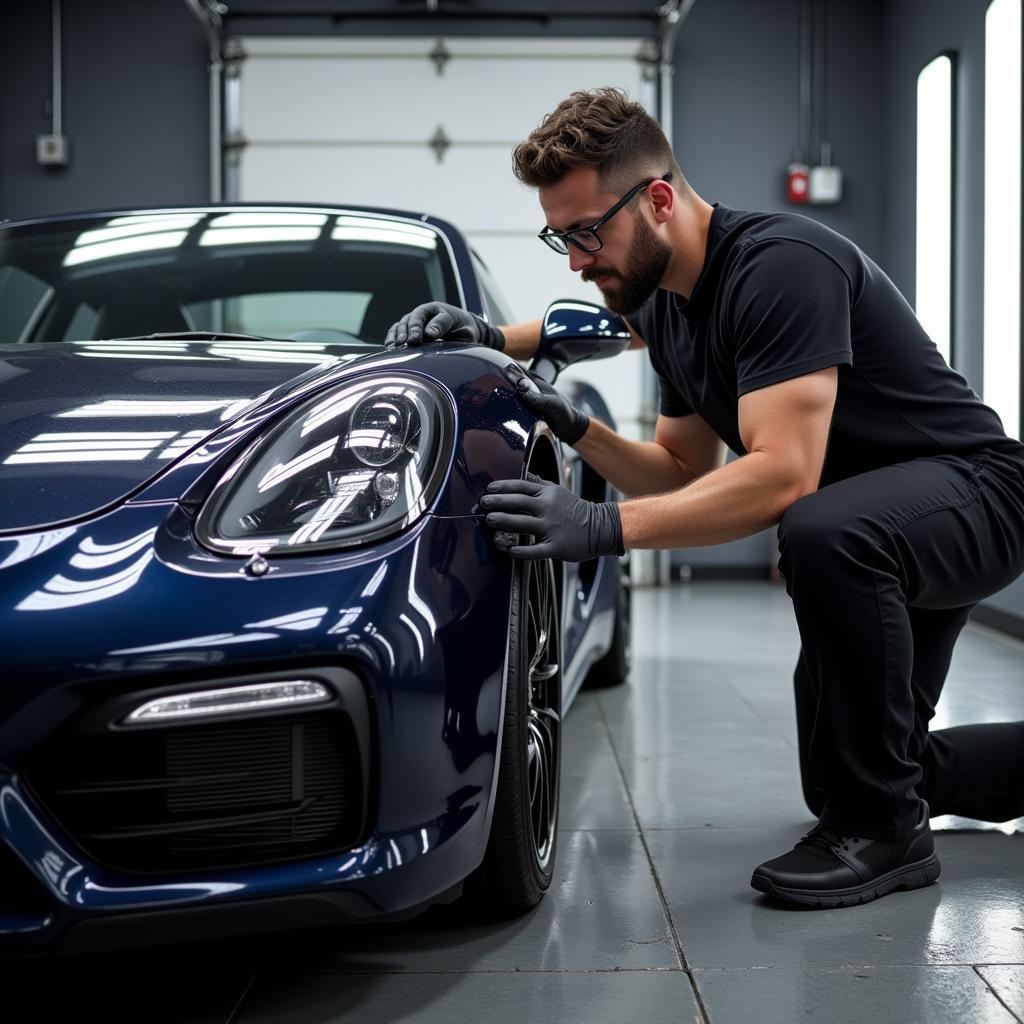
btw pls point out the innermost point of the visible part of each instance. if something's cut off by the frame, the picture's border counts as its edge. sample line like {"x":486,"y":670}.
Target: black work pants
{"x":883,"y":569}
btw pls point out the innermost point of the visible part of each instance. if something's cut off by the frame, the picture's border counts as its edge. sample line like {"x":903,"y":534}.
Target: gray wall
{"x":736,"y":123}
{"x":135,"y":106}
{"x":737,"y":114}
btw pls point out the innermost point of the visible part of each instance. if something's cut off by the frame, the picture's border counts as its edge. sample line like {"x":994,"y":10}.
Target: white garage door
{"x":382,"y":122}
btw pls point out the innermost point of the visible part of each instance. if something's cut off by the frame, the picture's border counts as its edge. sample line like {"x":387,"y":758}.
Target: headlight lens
{"x":345,"y":469}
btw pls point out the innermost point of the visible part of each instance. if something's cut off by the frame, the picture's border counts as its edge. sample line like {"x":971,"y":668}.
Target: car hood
{"x":85,"y":425}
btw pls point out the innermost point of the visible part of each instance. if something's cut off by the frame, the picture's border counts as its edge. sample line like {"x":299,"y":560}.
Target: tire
{"x":520,"y":858}
{"x":613,"y":667}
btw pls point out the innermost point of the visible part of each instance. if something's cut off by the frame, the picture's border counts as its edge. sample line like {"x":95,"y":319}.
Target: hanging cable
{"x":806,"y":12}
{"x":824,"y":146}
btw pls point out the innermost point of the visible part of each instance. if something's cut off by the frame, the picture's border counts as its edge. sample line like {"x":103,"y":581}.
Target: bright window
{"x":1001,"y":380}
{"x":935,"y":201}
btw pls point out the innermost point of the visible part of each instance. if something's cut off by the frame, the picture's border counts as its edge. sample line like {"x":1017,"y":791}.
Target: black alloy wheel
{"x":543,"y":717}
{"x":520,"y":858}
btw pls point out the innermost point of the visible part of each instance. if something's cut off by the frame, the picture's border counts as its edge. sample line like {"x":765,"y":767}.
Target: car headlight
{"x":345,"y":469}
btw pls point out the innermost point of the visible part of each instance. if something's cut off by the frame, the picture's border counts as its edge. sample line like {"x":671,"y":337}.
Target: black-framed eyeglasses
{"x":587,"y":238}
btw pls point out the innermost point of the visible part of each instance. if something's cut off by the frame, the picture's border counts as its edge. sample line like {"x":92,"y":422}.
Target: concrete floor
{"x":674,"y":787}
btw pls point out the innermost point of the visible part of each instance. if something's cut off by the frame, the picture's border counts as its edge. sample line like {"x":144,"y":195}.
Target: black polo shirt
{"x":782,"y":295}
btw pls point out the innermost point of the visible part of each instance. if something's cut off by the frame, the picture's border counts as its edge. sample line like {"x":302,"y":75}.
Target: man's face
{"x":632,"y":261}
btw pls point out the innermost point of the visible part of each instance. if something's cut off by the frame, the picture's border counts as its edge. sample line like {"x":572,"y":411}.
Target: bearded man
{"x":899,"y":498}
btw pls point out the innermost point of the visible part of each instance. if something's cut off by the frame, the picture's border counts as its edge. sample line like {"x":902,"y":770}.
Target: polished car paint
{"x":109,"y":598}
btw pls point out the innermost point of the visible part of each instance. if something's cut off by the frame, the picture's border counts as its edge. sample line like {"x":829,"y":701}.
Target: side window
{"x":495,"y":306}
{"x":935,"y":120}
{"x":21,"y":297}
{"x":82,"y":325}
{"x":1002,"y":335}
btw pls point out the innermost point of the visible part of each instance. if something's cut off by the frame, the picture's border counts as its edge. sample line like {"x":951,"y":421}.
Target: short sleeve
{"x":789,"y":304}
{"x":645,"y":322}
{"x":670,"y":401}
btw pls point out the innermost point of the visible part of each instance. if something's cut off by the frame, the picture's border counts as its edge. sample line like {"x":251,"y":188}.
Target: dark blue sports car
{"x":262,"y":662}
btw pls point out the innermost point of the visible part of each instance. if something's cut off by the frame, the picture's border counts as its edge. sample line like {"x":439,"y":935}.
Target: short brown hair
{"x":597,"y":128}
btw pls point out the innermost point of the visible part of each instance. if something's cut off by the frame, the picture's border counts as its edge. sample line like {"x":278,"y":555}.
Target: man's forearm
{"x":522,"y":340}
{"x":634,"y":467}
{"x":733,"y":501}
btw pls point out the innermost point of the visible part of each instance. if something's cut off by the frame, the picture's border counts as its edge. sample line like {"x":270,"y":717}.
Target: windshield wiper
{"x":196,"y":336}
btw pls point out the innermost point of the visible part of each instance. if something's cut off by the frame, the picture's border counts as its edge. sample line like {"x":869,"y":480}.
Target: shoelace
{"x":821,"y":837}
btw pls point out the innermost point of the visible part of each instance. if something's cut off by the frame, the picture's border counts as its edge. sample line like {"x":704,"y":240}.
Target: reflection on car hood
{"x":84,"y":425}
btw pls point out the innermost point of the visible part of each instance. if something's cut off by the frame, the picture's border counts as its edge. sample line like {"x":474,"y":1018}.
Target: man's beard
{"x":646,"y":264}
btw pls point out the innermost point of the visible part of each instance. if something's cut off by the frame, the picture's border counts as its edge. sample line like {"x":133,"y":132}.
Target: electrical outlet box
{"x":825,"y":184}
{"x":52,"y":150}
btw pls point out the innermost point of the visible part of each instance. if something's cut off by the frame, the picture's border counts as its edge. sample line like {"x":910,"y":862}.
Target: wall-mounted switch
{"x":52,"y":150}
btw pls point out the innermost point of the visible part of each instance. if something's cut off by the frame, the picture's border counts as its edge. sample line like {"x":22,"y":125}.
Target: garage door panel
{"x":467,"y":187}
{"x":385,"y":91}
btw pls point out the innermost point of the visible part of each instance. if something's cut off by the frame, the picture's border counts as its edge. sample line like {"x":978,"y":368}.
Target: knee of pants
{"x":805,"y":534}
{"x":815,"y":534}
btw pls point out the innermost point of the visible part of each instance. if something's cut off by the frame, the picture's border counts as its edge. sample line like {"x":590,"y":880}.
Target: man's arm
{"x":522,"y":340}
{"x":684,"y":448}
{"x":785,"y":431}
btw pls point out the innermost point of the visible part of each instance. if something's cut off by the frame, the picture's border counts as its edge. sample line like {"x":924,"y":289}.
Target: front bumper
{"x":421,"y":622}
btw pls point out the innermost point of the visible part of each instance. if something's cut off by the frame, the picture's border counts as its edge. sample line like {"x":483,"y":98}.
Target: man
{"x":899,"y":499}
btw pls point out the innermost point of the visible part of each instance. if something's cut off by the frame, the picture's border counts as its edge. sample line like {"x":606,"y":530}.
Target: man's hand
{"x":567,"y":422}
{"x":434,"y":321}
{"x":562,"y":525}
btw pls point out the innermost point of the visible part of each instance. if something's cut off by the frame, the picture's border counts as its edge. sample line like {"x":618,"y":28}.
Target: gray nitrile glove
{"x":567,"y":422}
{"x":562,"y":525}
{"x":434,"y":321}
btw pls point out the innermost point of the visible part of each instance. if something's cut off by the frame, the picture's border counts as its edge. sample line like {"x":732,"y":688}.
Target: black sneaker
{"x":829,"y":870}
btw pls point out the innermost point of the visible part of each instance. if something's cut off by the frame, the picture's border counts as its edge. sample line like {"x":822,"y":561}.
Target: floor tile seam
{"x":804,"y":826}
{"x":739,"y":693}
{"x":494,"y":970}
{"x":630,"y":831}
{"x":724,"y":828}
{"x":702,"y":1009}
{"x":610,"y":828}
{"x":240,"y":1002}
{"x":965,"y":965}
{"x":988,"y":985}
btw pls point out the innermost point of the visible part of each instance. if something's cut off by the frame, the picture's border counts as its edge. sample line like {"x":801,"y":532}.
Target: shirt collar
{"x":704,"y":289}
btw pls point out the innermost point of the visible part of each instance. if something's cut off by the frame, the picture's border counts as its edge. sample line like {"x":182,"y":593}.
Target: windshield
{"x":283,"y":274}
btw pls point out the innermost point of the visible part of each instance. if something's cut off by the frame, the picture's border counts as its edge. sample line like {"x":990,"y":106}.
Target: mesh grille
{"x":20,"y":893}
{"x":213,"y":795}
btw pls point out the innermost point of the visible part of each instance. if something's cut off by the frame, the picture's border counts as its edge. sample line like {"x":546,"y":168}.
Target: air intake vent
{"x":20,"y":894}
{"x":198,"y":796}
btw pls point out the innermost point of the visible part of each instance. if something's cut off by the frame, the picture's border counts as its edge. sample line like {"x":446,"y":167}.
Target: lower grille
{"x":20,"y":893}
{"x":190,"y":797}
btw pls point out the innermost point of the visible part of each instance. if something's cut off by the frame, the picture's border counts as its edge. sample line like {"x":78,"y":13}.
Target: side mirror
{"x":574,"y":330}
